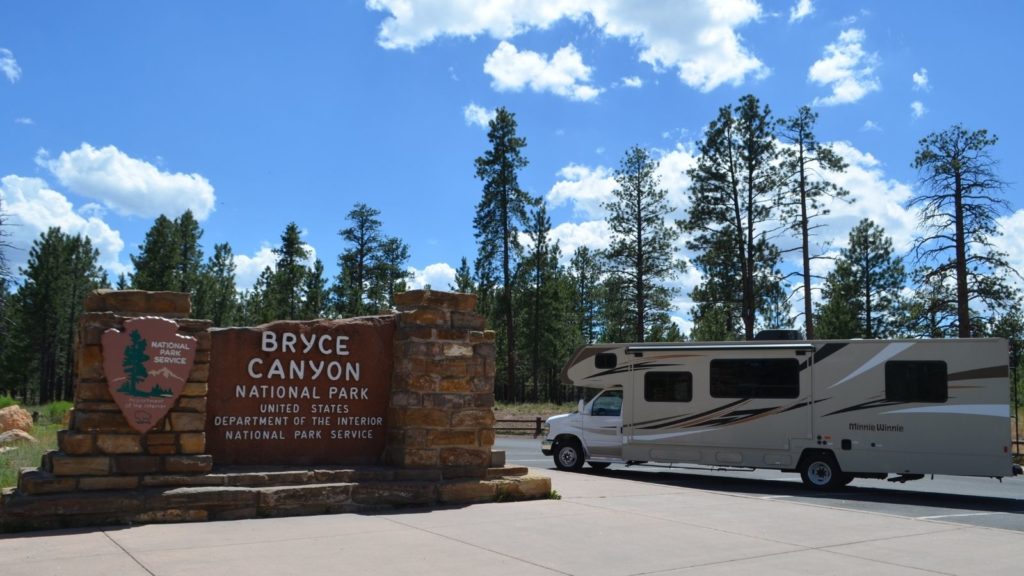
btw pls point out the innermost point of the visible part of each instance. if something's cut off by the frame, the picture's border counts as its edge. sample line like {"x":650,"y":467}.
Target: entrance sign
{"x":290,"y":392}
{"x":146,"y":367}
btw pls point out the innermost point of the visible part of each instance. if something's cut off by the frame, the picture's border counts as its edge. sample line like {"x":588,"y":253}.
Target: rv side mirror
{"x":579,"y":406}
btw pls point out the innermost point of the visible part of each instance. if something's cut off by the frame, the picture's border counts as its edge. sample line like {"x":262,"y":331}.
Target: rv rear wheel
{"x":569,"y":455}
{"x":820,"y":471}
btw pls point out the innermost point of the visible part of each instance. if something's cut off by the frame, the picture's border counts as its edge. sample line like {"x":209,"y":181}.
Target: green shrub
{"x":54,"y":411}
{"x":6,"y":401}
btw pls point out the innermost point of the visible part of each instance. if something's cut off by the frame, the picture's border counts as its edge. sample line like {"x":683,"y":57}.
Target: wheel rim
{"x":567,"y":456}
{"x":820,"y":473}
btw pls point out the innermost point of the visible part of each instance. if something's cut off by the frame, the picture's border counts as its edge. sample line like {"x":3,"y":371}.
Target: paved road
{"x":972,"y":501}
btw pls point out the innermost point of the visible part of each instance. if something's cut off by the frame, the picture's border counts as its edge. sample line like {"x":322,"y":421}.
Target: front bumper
{"x":546,"y":447}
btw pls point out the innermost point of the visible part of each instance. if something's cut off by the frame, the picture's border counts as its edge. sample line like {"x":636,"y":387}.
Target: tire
{"x":820,"y":471}
{"x":599,"y":465}
{"x":569,"y":455}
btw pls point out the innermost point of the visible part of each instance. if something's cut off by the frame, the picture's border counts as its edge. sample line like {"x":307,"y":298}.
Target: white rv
{"x":830,"y":410}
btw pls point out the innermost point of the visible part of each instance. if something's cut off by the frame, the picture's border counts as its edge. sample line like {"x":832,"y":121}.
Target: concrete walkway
{"x":601,"y":526}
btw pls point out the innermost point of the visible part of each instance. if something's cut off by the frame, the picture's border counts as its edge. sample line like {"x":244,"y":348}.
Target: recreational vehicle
{"x":831,"y":410}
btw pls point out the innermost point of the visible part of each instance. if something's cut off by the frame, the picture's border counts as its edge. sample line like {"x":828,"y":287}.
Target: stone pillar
{"x":441,"y":414}
{"x":99,"y":450}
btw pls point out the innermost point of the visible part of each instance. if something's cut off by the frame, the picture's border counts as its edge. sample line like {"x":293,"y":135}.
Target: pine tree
{"x":861,"y":294}
{"x":641,"y":255}
{"x":284,"y":290}
{"x":805,"y":163}
{"x":158,"y":259}
{"x":542,"y":303}
{"x":585,"y":274}
{"x":463,"y":279}
{"x":735,"y":187}
{"x":216,"y":296}
{"x":960,"y":204}
{"x":315,"y":293}
{"x":500,"y":212}
{"x":357,"y":263}
{"x":390,"y":274}
{"x":60,"y":271}
{"x":189,"y":261}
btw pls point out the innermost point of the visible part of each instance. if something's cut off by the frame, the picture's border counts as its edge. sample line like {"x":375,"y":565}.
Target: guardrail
{"x":521,"y":426}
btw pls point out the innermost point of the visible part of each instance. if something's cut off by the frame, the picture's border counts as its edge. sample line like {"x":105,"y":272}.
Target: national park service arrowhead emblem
{"x":146,"y":367}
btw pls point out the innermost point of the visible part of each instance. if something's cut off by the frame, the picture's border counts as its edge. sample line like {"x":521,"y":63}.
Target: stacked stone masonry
{"x":440,"y":431}
{"x":442,"y":393}
{"x":99,"y":450}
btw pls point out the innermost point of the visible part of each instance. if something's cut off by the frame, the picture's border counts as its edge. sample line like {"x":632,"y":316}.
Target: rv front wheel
{"x":821,"y":472}
{"x":569,"y":455}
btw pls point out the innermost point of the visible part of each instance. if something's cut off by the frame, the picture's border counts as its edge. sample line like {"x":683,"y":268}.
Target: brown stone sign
{"x":305,"y":393}
{"x":146,"y":367}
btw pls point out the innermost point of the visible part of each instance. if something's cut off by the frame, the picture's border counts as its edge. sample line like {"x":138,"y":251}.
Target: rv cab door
{"x":602,"y":425}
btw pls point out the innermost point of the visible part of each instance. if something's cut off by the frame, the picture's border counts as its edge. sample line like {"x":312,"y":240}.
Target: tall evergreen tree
{"x":808,"y":195}
{"x":289,"y":276}
{"x":315,"y":293}
{"x":170,"y":257}
{"x":642,"y":253}
{"x":216,"y":296}
{"x":735,"y":187}
{"x":390,"y":274}
{"x":157,"y":262}
{"x":959,"y":202}
{"x":862,"y":293}
{"x":357,"y":263}
{"x":500,"y":212}
{"x":585,"y":274}
{"x":463,"y":279}
{"x":543,"y":311}
{"x":60,"y":271}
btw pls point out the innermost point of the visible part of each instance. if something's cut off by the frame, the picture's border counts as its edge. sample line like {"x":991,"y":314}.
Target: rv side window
{"x":755,"y":378}
{"x":668,"y":386}
{"x":605,"y":361}
{"x":916,"y":381}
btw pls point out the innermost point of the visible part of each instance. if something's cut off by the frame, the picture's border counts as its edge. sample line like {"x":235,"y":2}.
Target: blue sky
{"x":256,"y":113}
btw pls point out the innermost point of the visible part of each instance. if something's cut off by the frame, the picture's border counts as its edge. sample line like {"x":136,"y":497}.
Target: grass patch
{"x":526,"y":410}
{"x":30,"y":455}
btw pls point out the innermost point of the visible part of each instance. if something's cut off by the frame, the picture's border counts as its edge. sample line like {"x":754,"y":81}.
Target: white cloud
{"x":127,"y":185}
{"x":1011,"y":243}
{"x":32,"y":207}
{"x":671,"y":173}
{"x":438,"y":276}
{"x":248,"y":268}
{"x":24,"y":121}
{"x":870,"y":126}
{"x":920,"y":79}
{"x":875,"y":196}
{"x":696,"y":38}
{"x":586,"y":188}
{"x":593,"y":234}
{"x":633,"y":82}
{"x":564,"y":74}
{"x":477,"y":115}
{"x":9,"y":66}
{"x":847,"y":69}
{"x":802,"y":9}
{"x":917,"y":108}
